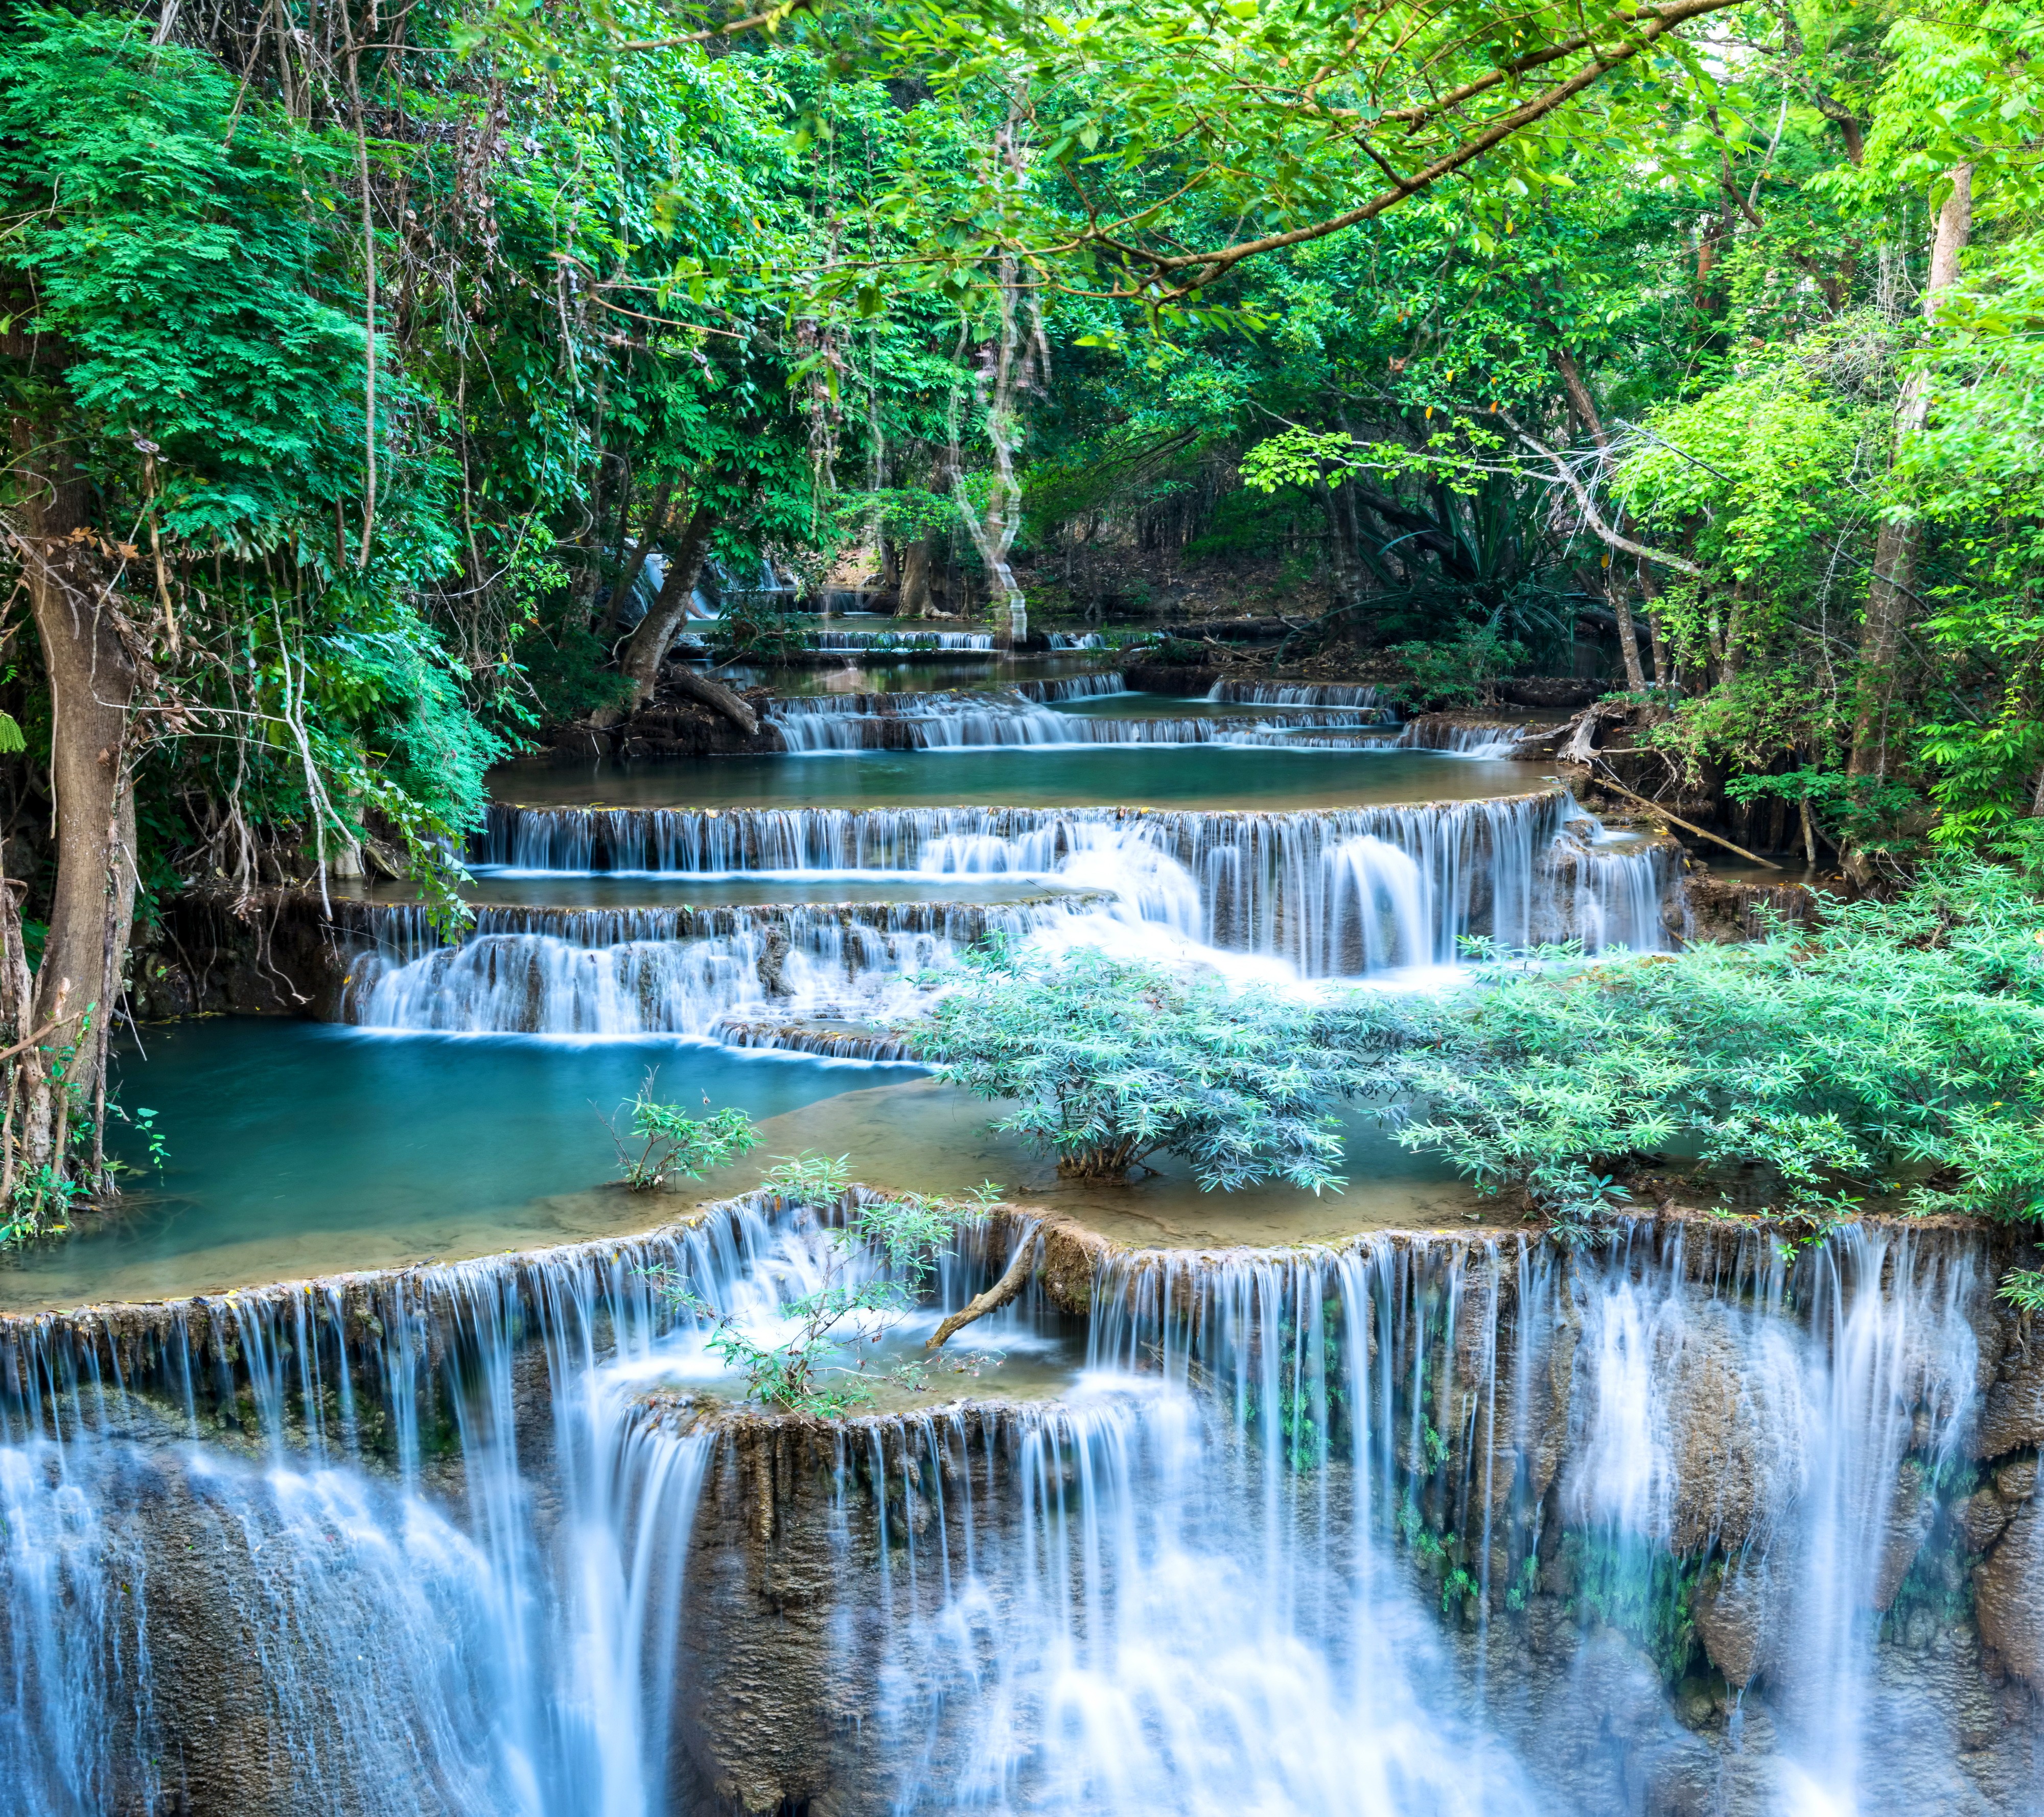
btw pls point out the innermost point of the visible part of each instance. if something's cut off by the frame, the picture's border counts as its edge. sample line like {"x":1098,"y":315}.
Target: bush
{"x":1894,"y":1047}
{"x":1112,"y":1063}
{"x":673,"y":1143}
{"x":1457,"y":673}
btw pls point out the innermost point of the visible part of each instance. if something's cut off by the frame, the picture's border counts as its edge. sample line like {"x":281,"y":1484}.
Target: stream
{"x":371,"y":1460}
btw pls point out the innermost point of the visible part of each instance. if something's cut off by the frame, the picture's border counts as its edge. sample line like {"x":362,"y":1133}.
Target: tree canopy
{"x":356,"y":360}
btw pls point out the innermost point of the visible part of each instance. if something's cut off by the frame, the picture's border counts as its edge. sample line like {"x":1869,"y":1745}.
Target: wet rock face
{"x":2008,"y":1581}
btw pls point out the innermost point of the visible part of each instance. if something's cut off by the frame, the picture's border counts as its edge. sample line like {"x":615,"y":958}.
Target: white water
{"x":1296,"y":694}
{"x":1192,"y":1585}
{"x":1017,"y":716}
{"x":1460,"y":741}
{"x":591,"y":978}
{"x":384,"y":1638}
{"x":881,"y":640}
{"x":1269,"y":900}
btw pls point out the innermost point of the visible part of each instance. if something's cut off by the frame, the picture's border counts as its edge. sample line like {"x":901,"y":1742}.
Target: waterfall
{"x":878,"y":642}
{"x":383,"y":1544}
{"x":1294,"y":694}
{"x":1074,"y":687}
{"x":977,"y":720}
{"x":313,"y":1616}
{"x":1077,"y":640}
{"x":622,"y":974}
{"x":1333,"y":892}
{"x":1417,"y":1524}
{"x":1464,"y":740}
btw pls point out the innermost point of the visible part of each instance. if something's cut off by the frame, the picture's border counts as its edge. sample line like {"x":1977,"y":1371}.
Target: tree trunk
{"x":656,"y":519}
{"x":715,"y":695}
{"x":1892,"y":586}
{"x":657,"y":630}
{"x":1344,"y":563}
{"x":917,"y":561}
{"x":92,"y":685}
{"x":1617,"y":595}
{"x":1664,"y":667}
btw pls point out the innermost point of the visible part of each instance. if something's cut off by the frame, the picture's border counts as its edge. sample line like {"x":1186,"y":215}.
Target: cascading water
{"x":1416,"y":1526}
{"x":1333,"y":892}
{"x":902,"y":640}
{"x":393,"y":1544}
{"x":1296,"y":694}
{"x":631,"y":973}
{"x":979,"y":721}
{"x":1463,"y":740}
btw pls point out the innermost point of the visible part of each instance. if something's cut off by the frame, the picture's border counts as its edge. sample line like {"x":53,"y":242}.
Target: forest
{"x":360,"y":365}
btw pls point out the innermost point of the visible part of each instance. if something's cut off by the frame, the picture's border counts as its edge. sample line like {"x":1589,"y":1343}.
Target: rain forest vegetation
{"x":1109,"y":1064}
{"x":1890,"y":1052}
{"x":359,"y":365}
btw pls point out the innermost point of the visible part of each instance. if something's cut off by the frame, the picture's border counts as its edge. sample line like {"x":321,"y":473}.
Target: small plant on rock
{"x":673,"y":1144}
{"x":819,"y":1369}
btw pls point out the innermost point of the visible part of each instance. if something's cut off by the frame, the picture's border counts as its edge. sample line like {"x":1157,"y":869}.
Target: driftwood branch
{"x":1607,"y":781}
{"x":994,"y":1298}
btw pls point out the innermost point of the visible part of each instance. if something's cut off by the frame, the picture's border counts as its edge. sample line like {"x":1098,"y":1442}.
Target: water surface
{"x":1127,"y":775}
{"x":298,"y":1149}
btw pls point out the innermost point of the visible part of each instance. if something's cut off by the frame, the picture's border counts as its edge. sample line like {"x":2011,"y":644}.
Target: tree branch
{"x":1006,"y":1289}
{"x":1680,"y":564}
{"x":1205,"y":267}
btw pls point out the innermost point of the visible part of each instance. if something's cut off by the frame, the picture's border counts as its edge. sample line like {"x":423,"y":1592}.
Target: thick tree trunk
{"x":918,"y":560}
{"x":1893,"y":584}
{"x":664,"y":618}
{"x":92,"y":687}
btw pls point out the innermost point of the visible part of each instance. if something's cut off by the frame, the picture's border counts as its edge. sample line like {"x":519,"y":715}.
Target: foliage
{"x":1112,"y":1063}
{"x":853,"y":1308}
{"x":1891,"y":1049}
{"x":673,"y":1143}
{"x":1455,"y":674}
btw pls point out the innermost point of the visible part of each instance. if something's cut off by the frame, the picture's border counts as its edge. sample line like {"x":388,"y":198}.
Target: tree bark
{"x":656,"y":519}
{"x":1892,"y":586}
{"x":715,"y":695}
{"x":655,"y":635}
{"x":917,"y":599}
{"x":1008,"y":1287}
{"x":1344,"y":561}
{"x":92,"y":687}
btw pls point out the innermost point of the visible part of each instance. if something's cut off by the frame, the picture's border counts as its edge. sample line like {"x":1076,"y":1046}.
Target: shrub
{"x":1112,"y":1063}
{"x":672,"y":1142}
{"x":1896,"y":1047}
